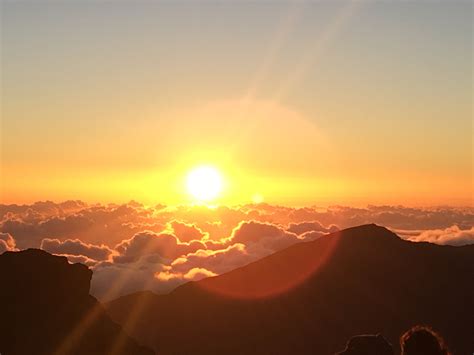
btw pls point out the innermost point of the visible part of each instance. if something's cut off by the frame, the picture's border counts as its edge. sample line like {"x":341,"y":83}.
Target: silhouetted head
{"x":421,"y":340}
{"x":367,"y":345}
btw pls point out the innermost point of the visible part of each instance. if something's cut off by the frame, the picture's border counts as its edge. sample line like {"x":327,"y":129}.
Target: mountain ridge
{"x":47,"y":309}
{"x":366,"y":280}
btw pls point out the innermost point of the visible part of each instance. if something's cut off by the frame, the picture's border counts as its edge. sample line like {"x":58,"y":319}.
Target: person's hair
{"x":422,"y":340}
{"x":367,"y":344}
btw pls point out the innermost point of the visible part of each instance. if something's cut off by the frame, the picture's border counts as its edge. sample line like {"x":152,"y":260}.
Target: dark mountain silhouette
{"x":46,"y":309}
{"x":312,"y":297}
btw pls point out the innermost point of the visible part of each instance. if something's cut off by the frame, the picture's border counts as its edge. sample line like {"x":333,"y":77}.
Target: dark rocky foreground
{"x":46,"y":309}
{"x":307,"y":299}
{"x":312,"y":297}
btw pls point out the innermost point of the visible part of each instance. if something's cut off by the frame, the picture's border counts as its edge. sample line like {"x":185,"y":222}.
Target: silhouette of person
{"x":422,"y":340}
{"x":367,"y":345}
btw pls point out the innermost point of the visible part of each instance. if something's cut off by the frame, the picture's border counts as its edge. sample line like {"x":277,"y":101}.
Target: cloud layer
{"x":448,"y":236}
{"x":7,"y":243}
{"x":132,"y":247}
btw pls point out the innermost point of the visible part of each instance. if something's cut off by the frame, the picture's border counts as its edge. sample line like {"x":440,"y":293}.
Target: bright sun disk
{"x":204,"y":183}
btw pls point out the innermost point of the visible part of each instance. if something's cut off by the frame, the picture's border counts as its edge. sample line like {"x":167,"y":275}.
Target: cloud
{"x":97,"y":224}
{"x":110,"y":224}
{"x":216,"y":261}
{"x":311,"y":235}
{"x":248,"y":242}
{"x":133,"y":247}
{"x":263,"y":235}
{"x":448,"y":236}
{"x":204,"y":263}
{"x":195,"y":274}
{"x":77,"y":248}
{"x":186,"y":232}
{"x":149,"y":243}
{"x":26,"y":234}
{"x":111,"y":280}
{"x":73,"y":259}
{"x":315,"y":226}
{"x":7,"y":243}
{"x":198,"y":273}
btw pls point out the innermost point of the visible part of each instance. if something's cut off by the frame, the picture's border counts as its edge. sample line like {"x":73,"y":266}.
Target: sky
{"x":294,"y":102}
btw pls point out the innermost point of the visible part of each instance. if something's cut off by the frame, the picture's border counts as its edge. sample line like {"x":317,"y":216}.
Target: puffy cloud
{"x":308,"y":231}
{"x":216,"y":261}
{"x":248,"y":242}
{"x":195,"y":274}
{"x":213,"y":245}
{"x":3,"y":246}
{"x":111,"y":280}
{"x":448,"y":236}
{"x":311,"y":235}
{"x":193,"y":267}
{"x":186,"y":232}
{"x":263,"y":235}
{"x":26,"y":234}
{"x":217,"y":222}
{"x":41,"y":208}
{"x":73,"y":259}
{"x":76,"y":247}
{"x":150,"y":243}
{"x":198,"y":273}
{"x":96,"y":224}
{"x":7,"y":243}
{"x":314,"y":226}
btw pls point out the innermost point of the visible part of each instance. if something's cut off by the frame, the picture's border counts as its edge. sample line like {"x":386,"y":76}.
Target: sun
{"x":204,"y":183}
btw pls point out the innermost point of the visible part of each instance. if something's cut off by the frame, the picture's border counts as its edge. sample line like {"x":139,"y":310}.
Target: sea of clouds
{"x":132,"y":247}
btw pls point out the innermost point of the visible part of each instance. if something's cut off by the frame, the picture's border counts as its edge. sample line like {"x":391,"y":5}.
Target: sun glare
{"x":204,"y":183}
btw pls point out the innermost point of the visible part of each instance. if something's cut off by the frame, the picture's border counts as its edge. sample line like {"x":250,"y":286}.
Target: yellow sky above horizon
{"x":295,"y":165}
{"x":294,"y":103}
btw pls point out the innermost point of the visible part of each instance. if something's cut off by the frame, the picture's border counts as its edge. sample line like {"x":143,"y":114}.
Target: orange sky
{"x":314,"y":103}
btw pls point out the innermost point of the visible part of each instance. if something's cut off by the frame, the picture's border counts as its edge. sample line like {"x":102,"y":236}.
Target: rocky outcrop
{"x":46,"y":309}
